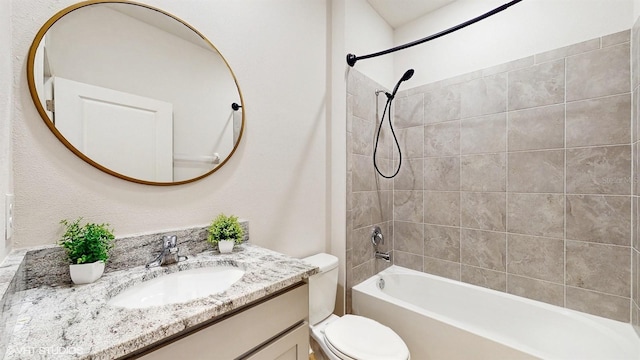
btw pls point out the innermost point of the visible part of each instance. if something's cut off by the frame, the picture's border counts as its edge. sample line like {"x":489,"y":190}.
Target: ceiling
{"x":400,"y":12}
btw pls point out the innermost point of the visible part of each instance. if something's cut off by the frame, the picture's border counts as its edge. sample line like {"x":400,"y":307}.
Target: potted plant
{"x":87,"y":248}
{"x":225,"y":232}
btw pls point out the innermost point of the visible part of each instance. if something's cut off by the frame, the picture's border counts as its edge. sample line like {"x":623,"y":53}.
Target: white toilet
{"x":350,"y":337}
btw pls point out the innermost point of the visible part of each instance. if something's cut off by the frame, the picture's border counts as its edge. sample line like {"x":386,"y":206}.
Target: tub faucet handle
{"x":376,"y":237}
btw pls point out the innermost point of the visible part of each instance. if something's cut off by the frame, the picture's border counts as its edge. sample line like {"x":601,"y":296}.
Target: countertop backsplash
{"x":49,"y":266}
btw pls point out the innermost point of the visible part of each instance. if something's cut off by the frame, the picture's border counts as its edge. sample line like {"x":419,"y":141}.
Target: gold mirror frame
{"x":43,"y":114}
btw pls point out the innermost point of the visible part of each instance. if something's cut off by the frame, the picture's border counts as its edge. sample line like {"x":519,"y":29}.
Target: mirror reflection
{"x":135,"y":92}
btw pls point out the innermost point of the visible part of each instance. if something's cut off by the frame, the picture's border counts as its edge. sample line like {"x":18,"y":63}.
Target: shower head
{"x":406,"y":76}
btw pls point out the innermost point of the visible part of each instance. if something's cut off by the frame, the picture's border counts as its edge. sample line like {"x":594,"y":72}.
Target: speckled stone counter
{"x":65,"y":321}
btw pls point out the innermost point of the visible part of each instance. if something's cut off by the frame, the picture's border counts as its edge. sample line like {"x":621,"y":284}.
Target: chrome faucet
{"x":376,"y":239}
{"x":384,"y":256}
{"x":169,"y":254}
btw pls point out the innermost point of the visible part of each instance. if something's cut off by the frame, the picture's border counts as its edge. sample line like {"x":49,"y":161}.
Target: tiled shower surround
{"x":517,"y":178}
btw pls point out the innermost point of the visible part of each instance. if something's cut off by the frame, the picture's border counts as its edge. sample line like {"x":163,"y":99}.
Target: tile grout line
{"x":393,"y":197}
{"x":564,"y":193}
{"x":522,"y":193}
{"x":423,"y":126}
{"x":460,"y":198}
{"x":633,"y":169}
{"x":506,"y":188}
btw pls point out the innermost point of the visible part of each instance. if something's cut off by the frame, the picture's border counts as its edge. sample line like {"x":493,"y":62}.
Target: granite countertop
{"x":75,"y":322}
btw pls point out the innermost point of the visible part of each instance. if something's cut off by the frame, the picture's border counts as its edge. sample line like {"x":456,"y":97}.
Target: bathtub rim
{"x":621,"y":331}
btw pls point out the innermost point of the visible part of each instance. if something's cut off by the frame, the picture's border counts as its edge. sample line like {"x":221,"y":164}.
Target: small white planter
{"x":86,"y":273}
{"x":225,"y":246}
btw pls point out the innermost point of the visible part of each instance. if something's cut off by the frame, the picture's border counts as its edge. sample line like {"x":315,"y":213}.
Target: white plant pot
{"x":86,"y":273}
{"x":225,"y":246}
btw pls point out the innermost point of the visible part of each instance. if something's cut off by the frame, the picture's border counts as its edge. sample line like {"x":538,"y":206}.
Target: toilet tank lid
{"x":324,"y":261}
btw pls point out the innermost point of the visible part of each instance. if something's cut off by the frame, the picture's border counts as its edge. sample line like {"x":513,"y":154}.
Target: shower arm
{"x":351,"y":58}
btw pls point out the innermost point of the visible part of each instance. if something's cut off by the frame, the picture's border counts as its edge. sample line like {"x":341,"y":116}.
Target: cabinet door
{"x":243,"y":332}
{"x":293,"y":345}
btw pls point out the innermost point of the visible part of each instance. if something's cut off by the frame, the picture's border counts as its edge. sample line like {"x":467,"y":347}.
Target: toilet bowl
{"x":350,"y":337}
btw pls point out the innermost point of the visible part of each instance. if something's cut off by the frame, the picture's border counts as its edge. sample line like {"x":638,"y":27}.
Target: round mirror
{"x":135,"y":92}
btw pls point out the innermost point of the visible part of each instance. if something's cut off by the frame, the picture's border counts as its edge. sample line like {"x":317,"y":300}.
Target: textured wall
{"x":516,"y":178}
{"x":277,"y":178}
{"x":6,"y":111}
{"x":635,"y":124}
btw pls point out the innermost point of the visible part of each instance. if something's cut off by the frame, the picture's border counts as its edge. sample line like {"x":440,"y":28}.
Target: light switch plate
{"x":9,"y":214}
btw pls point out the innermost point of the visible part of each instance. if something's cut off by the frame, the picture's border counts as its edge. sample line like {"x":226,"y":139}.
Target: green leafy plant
{"x":86,"y":243}
{"x":225,"y":228}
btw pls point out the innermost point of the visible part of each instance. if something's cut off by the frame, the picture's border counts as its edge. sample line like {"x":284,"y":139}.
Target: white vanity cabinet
{"x":293,"y":345}
{"x":275,"y":328}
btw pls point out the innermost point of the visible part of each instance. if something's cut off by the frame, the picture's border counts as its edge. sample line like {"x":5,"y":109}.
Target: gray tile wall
{"x":635,"y":136}
{"x":517,"y":178}
{"x":369,"y":196}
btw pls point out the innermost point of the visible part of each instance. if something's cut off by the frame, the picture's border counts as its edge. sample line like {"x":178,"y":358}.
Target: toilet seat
{"x":355,"y":337}
{"x":337,"y":352}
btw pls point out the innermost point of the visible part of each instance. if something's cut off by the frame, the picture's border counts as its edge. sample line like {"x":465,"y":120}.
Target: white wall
{"x":366,"y":32}
{"x":527,"y":28}
{"x":337,"y":143}
{"x":636,"y":9}
{"x":6,"y":105}
{"x":277,"y":179}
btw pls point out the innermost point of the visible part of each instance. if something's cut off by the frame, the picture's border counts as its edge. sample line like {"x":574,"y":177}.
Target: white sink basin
{"x":178,"y":287}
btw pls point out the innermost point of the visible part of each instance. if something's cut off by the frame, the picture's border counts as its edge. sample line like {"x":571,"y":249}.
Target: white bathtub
{"x":440,"y":318}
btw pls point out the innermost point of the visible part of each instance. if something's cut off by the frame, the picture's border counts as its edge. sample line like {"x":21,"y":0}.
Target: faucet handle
{"x":376,"y":236}
{"x":169,"y":253}
{"x":169,"y":242}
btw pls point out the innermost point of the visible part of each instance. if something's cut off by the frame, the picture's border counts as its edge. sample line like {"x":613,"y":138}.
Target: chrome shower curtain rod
{"x":351,"y":58}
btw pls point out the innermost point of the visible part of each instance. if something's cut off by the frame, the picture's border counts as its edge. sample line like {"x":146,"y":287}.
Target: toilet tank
{"x":322,"y":287}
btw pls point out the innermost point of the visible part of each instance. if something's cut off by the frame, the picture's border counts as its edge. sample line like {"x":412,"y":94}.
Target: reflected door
{"x":126,"y":133}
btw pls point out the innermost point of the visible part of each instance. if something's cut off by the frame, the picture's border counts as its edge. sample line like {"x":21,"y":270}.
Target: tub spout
{"x":383,"y":255}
